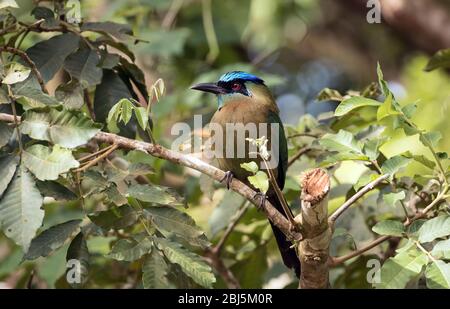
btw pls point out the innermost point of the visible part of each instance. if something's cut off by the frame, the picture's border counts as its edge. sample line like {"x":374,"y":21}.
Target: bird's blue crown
{"x":239,"y":75}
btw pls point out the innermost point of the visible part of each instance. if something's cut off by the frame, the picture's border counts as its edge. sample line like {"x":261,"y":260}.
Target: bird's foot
{"x":227,"y":178}
{"x":262,"y":200}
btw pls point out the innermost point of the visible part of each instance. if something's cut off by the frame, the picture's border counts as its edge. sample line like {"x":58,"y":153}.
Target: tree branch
{"x":313,"y":250}
{"x":354,"y":198}
{"x":28,"y":60}
{"x":159,"y":151}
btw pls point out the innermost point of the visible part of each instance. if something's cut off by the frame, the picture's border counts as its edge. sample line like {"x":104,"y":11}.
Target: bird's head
{"x":235,"y":85}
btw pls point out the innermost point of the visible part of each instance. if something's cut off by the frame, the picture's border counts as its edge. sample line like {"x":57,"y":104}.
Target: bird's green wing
{"x":283,"y":149}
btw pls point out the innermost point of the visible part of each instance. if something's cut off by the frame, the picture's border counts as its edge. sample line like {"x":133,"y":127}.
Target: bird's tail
{"x":288,"y":253}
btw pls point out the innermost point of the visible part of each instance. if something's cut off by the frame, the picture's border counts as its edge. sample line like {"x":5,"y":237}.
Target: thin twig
{"x":94,"y":154}
{"x":16,"y":119}
{"x":96,"y":160}
{"x":280,"y":196}
{"x":354,"y":198}
{"x":89,"y":104}
{"x":231,"y":226}
{"x":299,"y":153}
{"x":27,"y":59}
{"x":216,"y":262}
{"x":303,"y":135}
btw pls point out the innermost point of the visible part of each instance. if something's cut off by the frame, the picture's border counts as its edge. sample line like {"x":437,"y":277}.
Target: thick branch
{"x":314,"y":248}
{"x":189,"y":161}
{"x":28,"y":60}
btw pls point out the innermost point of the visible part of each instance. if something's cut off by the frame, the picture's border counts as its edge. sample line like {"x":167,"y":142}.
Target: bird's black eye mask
{"x":234,"y":86}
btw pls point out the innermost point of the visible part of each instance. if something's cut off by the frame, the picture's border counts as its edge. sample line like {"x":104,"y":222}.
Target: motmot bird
{"x":244,"y":98}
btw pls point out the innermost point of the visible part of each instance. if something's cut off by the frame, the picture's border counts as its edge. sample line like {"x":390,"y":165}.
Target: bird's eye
{"x":236,"y":87}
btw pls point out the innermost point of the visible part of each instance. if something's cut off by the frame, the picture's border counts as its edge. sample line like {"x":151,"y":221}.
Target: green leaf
{"x":389,"y":227}
{"x":251,"y":167}
{"x":48,"y":164}
{"x":78,"y":250}
{"x":83,"y":66}
{"x":435,"y":228}
{"x":16,"y":73}
{"x":8,"y":165}
{"x":386,"y":109}
{"x":413,"y":229}
{"x":20,"y":209}
{"x":119,"y":31}
{"x":431,"y":138}
{"x":438,"y":275}
{"x":394,"y":164}
{"x":442,"y":249}
{"x":141,"y":116}
{"x":30,"y":97}
{"x":110,"y":91}
{"x":130,"y":249}
{"x":55,"y":190}
{"x":154,"y":271}
{"x":392,"y":198}
{"x":260,"y":181}
{"x":352,"y":103}
{"x":126,"y":110}
{"x":440,"y":60}
{"x":48,"y":63}
{"x":5,"y":4}
{"x":169,"y":220}
{"x":51,"y":239}
{"x":328,"y":94}
{"x":420,"y":158}
{"x":343,"y":141}
{"x":69,"y":129}
{"x":154,"y":194}
{"x":191,"y":264}
{"x":409,"y":110}
{"x":166,"y":43}
{"x":115,"y":218}
{"x":5,"y":134}
{"x":372,"y":148}
{"x":71,"y":94}
{"x":396,"y":272}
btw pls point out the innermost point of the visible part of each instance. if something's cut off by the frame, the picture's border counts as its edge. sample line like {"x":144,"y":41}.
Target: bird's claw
{"x":262,"y":200}
{"x":228,"y":178}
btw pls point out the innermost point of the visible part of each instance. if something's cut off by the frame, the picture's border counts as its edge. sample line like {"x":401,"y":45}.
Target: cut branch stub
{"x":314,"y":248}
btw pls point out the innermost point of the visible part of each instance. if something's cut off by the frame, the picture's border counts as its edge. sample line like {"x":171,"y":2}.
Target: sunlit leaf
{"x":438,"y":275}
{"x":389,"y":227}
{"x":16,"y":73}
{"x":46,"y":163}
{"x":251,"y":167}
{"x":442,"y":249}
{"x":260,"y":181}
{"x":67,"y":128}
{"x":435,"y":228}
{"x":352,"y":103}
{"x":396,"y":272}
{"x":394,"y":164}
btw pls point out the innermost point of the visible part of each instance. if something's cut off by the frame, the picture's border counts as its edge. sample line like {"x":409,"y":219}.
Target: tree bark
{"x":314,"y":248}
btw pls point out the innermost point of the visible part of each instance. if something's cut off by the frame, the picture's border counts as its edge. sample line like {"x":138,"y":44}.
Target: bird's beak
{"x":209,"y":87}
